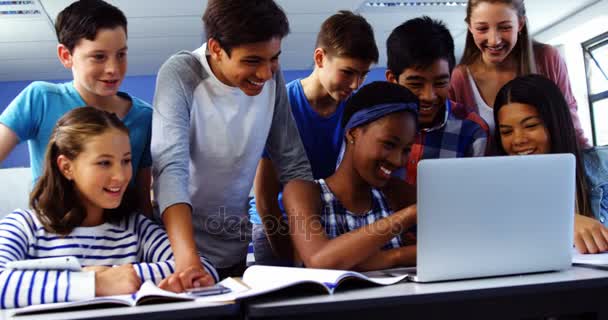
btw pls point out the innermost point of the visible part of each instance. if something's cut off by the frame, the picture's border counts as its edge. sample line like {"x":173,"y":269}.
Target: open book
{"x":147,"y":294}
{"x":598,"y":259}
{"x":259,"y":280}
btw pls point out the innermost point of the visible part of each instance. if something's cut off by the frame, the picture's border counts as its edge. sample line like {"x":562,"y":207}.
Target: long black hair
{"x":544,"y":95}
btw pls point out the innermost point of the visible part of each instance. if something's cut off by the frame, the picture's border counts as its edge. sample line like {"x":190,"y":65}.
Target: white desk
{"x":573,"y":291}
{"x":173,"y":311}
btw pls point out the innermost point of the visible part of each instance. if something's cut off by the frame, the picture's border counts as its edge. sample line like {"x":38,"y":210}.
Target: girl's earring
{"x":351,"y":141}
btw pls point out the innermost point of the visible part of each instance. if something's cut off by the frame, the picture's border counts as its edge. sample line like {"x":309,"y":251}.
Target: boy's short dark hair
{"x":418,"y":43}
{"x":349,"y":35}
{"x":376,"y":93}
{"x":236,"y":22}
{"x":83,"y":18}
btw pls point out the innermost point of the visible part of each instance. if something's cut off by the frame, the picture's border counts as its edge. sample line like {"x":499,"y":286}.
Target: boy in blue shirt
{"x":92,"y":37}
{"x":420,"y":55}
{"x":317,"y":102}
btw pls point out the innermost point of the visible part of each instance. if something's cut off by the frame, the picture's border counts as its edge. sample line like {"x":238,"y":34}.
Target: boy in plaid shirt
{"x":421,"y":58}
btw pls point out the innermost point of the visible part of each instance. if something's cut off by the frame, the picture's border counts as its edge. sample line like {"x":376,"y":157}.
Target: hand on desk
{"x":590,"y":235}
{"x":189,"y":278}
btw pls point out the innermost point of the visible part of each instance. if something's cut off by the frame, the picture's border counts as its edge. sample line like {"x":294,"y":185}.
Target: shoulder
{"x":300,"y":193}
{"x":544,"y":50}
{"x":295,"y":93}
{"x":470,"y":119}
{"x":182,"y":65}
{"x":595,"y":162}
{"x":141,"y":107}
{"x":302,"y":186}
{"x":459,"y":71}
{"x":459,"y":76}
{"x":135,"y":221}
{"x":293,"y":85}
{"x":459,"y":83}
{"x":42,"y":88}
{"x":546,"y":54}
{"x":26,"y":218}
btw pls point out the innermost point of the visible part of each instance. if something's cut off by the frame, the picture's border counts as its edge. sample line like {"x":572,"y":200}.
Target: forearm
{"x":359,"y":246}
{"x":23,"y":288}
{"x":385,"y":259}
{"x":157,"y":271}
{"x":178,"y":223}
{"x":158,"y":260}
{"x":277,"y":230}
{"x":267,"y":188}
{"x":8,"y":141}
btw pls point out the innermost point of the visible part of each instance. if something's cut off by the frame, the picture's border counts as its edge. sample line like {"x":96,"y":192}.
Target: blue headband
{"x":376,"y":112}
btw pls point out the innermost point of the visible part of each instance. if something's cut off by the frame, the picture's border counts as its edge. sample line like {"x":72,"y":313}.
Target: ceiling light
{"x":18,"y":8}
{"x":415,"y":3}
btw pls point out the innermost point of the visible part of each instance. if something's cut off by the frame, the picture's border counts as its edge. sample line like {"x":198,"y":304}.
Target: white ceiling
{"x":159,"y":28}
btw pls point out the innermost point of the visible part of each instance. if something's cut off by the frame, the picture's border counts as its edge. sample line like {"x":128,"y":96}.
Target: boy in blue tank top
{"x":92,"y":37}
{"x":317,"y":102}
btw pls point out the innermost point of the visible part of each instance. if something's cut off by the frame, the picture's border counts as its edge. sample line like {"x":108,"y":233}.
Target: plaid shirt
{"x":336,"y":220}
{"x":462,"y":134}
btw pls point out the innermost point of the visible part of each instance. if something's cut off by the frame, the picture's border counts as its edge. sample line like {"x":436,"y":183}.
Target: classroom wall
{"x":139,"y":86}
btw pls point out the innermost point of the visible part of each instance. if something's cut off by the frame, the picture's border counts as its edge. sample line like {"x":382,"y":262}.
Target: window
{"x":596,"y":66}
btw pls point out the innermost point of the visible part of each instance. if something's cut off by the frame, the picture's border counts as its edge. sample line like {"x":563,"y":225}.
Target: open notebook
{"x":147,"y":294}
{"x":598,"y":259}
{"x":330,"y":280}
{"x":257,"y":280}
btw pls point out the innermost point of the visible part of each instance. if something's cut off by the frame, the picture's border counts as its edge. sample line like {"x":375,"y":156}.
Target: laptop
{"x":491,"y":216}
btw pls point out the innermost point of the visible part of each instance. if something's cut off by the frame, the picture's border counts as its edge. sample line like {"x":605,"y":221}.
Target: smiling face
{"x":340,"y":76}
{"x":495,"y":28}
{"x":101,"y":172}
{"x":382,"y":146}
{"x":431,"y":85}
{"x":248,"y":66}
{"x":522,"y":130}
{"x":98,"y":66}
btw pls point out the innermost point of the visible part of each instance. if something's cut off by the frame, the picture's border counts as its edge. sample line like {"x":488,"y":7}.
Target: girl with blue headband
{"x":346,"y":221}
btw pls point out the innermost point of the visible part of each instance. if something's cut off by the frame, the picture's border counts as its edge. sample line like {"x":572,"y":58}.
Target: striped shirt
{"x":136,"y":240}
{"x":336,"y":220}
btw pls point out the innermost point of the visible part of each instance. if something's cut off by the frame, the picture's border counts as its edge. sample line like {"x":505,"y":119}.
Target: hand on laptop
{"x":590,"y":236}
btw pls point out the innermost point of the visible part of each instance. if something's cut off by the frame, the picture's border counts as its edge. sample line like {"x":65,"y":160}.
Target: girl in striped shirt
{"x":77,"y":210}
